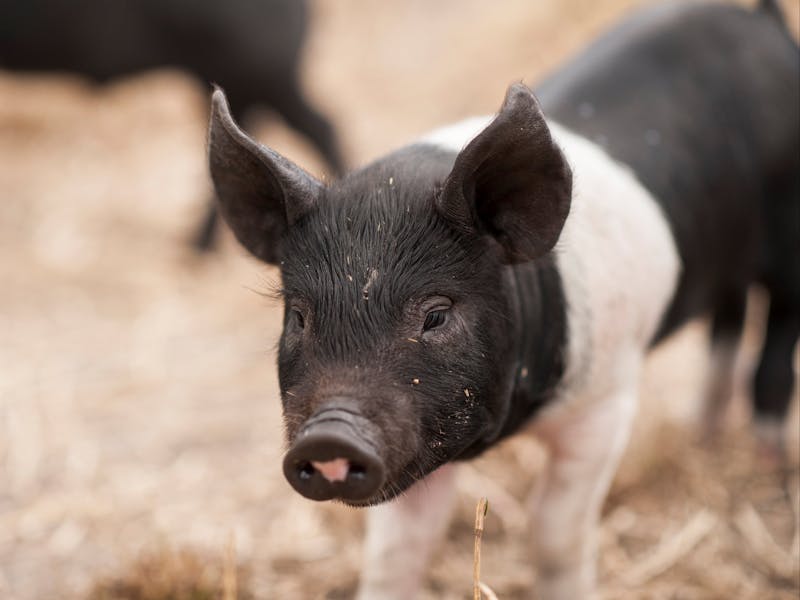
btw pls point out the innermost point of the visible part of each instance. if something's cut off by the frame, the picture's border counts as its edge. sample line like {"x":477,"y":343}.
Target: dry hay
{"x":168,"y":574}
{"x":138,"y":398}
{"x":704,"y":523}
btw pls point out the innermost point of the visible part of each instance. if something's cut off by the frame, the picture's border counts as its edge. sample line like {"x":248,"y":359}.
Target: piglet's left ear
{"x":511,"y":181}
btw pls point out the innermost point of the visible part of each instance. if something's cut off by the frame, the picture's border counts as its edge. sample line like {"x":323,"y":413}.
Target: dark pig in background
{"x":510,"y":273}
{"x":252,"y":48}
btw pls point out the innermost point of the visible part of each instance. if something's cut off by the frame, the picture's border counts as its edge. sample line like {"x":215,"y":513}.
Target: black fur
{"x":540,"y":334}
{"x":378,"y":231}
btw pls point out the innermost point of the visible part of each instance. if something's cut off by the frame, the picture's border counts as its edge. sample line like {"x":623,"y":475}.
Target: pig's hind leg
{"x":402,"y":534}
{"x":726,"y":332}
{"x":585,"y":447}
{"x":775,"y":383}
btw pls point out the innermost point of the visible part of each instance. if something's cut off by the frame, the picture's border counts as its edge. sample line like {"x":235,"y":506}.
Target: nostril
{"x":306,"y":471}
{"x":357,"y":471}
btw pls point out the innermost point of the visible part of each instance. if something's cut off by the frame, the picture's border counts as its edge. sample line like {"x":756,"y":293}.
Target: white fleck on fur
{"x":373,"y":275}
{"x":619,"y":268}
{"x":401,"y":536}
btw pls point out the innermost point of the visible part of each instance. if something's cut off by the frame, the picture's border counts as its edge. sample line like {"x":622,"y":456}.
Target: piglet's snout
{"x":334,"y":457}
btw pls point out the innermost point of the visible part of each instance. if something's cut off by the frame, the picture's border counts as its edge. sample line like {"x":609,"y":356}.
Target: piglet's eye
{"x":298,"y":318}
{"x":434,"y":319}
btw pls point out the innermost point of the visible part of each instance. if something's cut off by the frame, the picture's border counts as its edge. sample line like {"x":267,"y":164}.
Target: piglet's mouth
{"x":334,"y":457}
{"x":396,"y":486}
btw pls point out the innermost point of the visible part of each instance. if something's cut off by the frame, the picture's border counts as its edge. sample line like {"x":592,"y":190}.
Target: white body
{"x":619,"y":268}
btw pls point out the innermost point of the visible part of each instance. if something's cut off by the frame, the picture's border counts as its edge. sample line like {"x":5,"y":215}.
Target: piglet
{"x":509,"y":273}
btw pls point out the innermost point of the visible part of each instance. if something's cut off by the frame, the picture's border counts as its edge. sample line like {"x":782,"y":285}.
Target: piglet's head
{"x":399,"y":331}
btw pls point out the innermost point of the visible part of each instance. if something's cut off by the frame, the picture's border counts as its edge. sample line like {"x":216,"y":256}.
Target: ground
{"x":138,"y":399}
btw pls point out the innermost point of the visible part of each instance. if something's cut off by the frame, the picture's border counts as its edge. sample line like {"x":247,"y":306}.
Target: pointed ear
{"x":511,"y":181}
{"x":260,"y":193}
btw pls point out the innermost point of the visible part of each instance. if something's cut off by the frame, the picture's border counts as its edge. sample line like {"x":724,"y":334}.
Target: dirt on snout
{"x":140,"y":425}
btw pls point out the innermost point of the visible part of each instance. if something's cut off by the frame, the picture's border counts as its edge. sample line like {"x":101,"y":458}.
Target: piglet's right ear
{"x":260,"y":193}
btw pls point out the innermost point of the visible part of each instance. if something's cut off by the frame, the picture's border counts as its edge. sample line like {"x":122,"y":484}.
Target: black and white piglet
{"x":511,"y":272}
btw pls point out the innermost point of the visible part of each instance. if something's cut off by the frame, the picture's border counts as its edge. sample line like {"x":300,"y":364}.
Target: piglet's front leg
{"x":585,"y":447}
{"x":401,"y":536}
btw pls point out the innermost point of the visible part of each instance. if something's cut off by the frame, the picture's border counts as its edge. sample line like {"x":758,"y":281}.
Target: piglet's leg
{"x":585,"y":447}
{"x":401,"y":536}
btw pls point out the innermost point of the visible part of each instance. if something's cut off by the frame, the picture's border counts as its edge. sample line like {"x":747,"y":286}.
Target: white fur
{"x":585,"y":446}
{"x":618,"y":264}
{"x":619,"y":267}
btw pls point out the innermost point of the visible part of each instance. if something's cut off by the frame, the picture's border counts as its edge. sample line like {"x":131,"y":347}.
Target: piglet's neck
{"x":540,"y":332}
{"x":538,"y":335}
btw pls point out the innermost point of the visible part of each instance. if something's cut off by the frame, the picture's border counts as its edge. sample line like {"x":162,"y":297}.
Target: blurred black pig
{"x":511,"y":272}
{"x":252,"y":48}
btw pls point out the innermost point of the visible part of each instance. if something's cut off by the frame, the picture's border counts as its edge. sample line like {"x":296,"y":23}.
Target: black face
{"x":395,"y":312}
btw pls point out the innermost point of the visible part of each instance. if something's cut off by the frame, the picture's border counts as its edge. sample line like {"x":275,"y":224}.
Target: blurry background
{"x":139,"y":410}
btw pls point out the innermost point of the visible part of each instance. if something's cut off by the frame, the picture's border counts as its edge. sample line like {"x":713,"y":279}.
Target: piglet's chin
{"x":395,"y":486}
